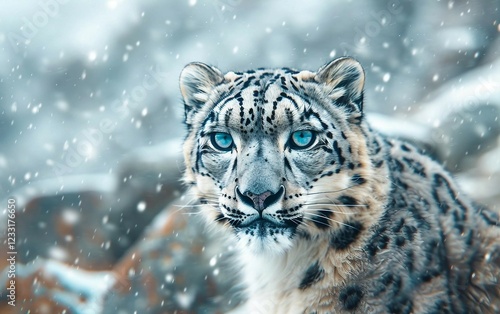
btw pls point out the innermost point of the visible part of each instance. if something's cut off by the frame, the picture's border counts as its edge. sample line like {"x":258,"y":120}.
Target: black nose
{"x":260,"y":201}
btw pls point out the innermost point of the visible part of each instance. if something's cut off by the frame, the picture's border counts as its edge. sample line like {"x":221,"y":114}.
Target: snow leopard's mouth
{"x":262,"y":227}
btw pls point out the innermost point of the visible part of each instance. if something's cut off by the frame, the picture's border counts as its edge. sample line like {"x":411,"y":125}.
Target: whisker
{"x":192,"y":213}
{"x":335,"y":206}
{"x":181,"y":207}
{"x":295,"y":217}
{"x":330,"y":219}
{"x":209,"y":204}
{"x":191,"y":204}
{"x":322,"y":199}
{"x":195,"y":205}
{"x":334,"y":191}
{"x":344,"y":205}
{"x":220,"y":218}
{"x":316,"y":221}
{"x":332,"y":211}
{"x":209,"y":199}
{"x":340,"y":223}
{"x":298,"y":220}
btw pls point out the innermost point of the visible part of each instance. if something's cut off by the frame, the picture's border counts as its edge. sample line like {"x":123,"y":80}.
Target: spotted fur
{"x":350,"y":222}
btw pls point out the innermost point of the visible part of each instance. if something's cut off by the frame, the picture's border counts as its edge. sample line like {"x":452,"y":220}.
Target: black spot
{"x":458,"y":221}
{"x":377,"y":147}
{"x":416,"y":166}
{"x":439,"y":181}
{"x":378,"y":244}
{"x":419,"y":218}
{"x":397,"y":284}
{"x":405,"y":148}
{"x":410,"y":256}
{"x":398,"y":226}
{"x":442,"y":205}
{"x":343,"y":100}
{"x":310,"y":112}
{"x":401,"y":304}
{"x":346,"y":235}
{"x":399,"y":165}
{"x":326,"y":149}
{"x":409,"y":232}
{"x":429,"y":274}
{"x":358,"y":179}
{"x":400,"y":241}
{"x":470,"y":237}
{"x":293,"y":223}
{"x":489,"y":217}
{"x":313,"y":274}
{"x":294,"y":86}
{"x":385,"y":281}
{"x":221,"y":218}
{"x":338,"y":151}
{"x":321,"y":219}
{"x":248,"y":82}
{"x":347,"y":200}
{"x":327,"y":174}
{"x":350,"y":297}
{"x":287,"y":164}
{"x":378,"y":241}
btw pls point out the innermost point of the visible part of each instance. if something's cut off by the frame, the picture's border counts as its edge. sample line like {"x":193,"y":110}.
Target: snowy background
{"x":90,"y":106}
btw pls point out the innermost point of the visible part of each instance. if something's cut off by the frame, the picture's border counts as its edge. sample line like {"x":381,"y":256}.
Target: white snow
{"x":141,"y":206}
{"x":213,"y":261}
{"x":70,"y":216}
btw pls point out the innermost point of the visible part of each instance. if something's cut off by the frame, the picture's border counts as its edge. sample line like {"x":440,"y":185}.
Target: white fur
{"x":272,"y":279}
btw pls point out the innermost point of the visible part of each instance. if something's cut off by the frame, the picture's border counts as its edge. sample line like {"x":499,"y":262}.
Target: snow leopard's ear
{"x":344,"y":78}
{"x":197,"y":81}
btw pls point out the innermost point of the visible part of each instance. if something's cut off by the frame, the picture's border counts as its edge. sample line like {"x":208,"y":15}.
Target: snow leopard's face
{"x":276,"y":154}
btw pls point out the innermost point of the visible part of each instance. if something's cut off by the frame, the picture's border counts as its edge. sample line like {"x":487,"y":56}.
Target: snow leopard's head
{"x":277,"y":154}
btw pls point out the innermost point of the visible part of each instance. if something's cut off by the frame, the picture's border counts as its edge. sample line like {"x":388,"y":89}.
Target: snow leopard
{"x":326,"y":214}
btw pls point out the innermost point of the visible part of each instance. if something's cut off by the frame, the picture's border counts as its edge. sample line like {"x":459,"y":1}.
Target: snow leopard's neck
{"x":271,"y":280}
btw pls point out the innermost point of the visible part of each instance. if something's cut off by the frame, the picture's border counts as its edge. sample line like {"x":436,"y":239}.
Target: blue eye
{"x":302,"y":139}
{"x":221,"y":141}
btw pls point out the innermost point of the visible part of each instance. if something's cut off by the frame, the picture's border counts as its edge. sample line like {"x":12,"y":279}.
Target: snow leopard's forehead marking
{"x":260,"y":115}
{"x":266,"y":102}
